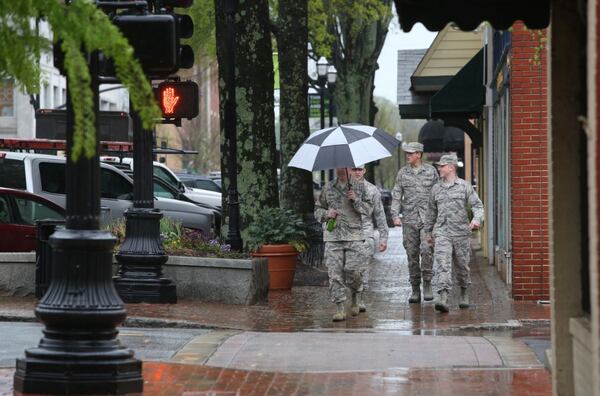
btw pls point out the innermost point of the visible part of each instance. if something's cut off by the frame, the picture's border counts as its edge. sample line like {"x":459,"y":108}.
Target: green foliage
{"x":203,"y":41}
{"x":329,"y":20}
{"x":274,"y":226}
{"x":180,"y":241}
{"x":79,"y":25}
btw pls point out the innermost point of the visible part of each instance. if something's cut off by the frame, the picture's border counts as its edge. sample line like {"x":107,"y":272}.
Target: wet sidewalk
{"x":290,"y":346}
{"x":309,"y":307}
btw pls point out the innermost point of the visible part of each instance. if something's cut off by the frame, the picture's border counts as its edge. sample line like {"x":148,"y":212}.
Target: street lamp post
{"x":79,"y":352}
{"x":321,"y":81}
{"x":331,"y":80}
{"x":234,"y":237}
{"x":399,"y":138}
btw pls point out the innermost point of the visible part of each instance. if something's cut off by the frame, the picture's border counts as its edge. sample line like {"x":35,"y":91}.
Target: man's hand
{"x":474,"y":225}
{"x":382,"y":246}
{"x":398,"y":222}
{"x":351,"y":195}
{"x":331,"y":214}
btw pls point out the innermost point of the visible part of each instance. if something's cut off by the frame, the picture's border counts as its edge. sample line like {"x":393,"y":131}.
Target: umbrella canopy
{"x":344,"y":146}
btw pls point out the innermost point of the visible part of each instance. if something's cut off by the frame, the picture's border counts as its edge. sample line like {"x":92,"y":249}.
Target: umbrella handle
{"x":348,"y":178}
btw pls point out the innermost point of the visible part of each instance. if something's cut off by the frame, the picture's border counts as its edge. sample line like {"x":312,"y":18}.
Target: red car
{"x":19,"y":211}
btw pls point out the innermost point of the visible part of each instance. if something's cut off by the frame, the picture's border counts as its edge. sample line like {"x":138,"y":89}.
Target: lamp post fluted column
{"x":234,"y":237}
{"x":79,"y":352}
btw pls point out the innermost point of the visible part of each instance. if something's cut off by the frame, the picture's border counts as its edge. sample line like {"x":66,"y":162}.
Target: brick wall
{"x":529,"y":166}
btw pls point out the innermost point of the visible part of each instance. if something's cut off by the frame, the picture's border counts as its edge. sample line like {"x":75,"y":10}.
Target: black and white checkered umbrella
{"x":344,"y":146}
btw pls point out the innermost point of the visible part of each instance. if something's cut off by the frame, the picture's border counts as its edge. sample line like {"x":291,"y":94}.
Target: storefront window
{"x":6,"y":98}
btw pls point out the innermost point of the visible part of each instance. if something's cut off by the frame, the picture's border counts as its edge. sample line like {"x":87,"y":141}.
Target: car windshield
{"x":163,"y":174}
{"x":30,"y":211}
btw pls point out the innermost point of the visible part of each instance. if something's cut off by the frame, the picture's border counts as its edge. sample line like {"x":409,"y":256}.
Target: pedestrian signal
{"x":178,"y":99}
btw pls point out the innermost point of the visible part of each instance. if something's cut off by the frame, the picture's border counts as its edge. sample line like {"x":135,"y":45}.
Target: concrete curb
{"x":133,"y":321}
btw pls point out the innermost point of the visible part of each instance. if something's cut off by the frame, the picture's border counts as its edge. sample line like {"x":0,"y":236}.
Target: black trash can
{"x":43,"y":255}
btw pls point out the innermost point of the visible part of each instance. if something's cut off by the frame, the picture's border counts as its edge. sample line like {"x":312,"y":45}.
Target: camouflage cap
{"x":413,"y":147}
{"x":448,"y":159}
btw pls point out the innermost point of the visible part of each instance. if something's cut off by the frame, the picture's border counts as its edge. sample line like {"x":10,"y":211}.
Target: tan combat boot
{"x":427,"y":292}
{"x":442,"y":304}
{"x":361,"y":303}
{"x":340,"y":313}
{"x":415,"y":297}
{"x":464,"y":298}
{"x":354,"y":310}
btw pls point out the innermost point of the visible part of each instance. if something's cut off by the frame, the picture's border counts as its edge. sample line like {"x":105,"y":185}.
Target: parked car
{"x":163,"y":189}
{"x":161,"y":170}
{"x":19,"y":210}
{"x":45,"y":175}
{"x":199,"y":182}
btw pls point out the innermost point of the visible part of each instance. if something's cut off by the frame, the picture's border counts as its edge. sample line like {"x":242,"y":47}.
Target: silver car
{"x":45,"y":175}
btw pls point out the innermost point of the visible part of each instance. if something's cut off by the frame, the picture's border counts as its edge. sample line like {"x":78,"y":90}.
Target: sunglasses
{"x":358,"y":169}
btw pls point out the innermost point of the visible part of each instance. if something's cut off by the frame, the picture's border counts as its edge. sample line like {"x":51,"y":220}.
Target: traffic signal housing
{"x":178,"y":99}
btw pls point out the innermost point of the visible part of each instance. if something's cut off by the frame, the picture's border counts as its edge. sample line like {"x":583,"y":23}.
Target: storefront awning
{"x":469,"y":14}
{"x":464,"y":94}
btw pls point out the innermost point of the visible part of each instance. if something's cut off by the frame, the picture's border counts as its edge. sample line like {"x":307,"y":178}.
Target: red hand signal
{"x":169,"y":100}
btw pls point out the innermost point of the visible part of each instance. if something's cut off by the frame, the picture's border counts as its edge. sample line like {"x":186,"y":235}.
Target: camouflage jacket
{"x":377,"y":219}
{"x":410,"y":194}
{"x":448,"y":204}
{"x":350,"y":214}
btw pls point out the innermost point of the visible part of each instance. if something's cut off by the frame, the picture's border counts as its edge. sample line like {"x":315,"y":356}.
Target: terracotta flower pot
{"x":282,"y":265}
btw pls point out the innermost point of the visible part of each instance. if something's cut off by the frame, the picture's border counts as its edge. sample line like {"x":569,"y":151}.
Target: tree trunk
{"x":292,"y":38}
{"x":355,"y":58}
{"x":257,"y":162}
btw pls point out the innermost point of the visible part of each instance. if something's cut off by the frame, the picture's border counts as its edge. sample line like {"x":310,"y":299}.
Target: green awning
{"x":463,"y":95}
{"x":469,"y":14}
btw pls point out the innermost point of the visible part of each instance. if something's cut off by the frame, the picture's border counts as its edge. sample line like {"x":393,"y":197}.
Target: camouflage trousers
{"x":346,"y":262}
{"x":367,"y":268}
{"x":452,"y":252}
{"x":416,"y":246}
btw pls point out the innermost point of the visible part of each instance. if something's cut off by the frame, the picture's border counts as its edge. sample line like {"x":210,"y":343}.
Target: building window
{"x":7,"y":108}
{"x":47,"y":97}
{"x":55,"y":96}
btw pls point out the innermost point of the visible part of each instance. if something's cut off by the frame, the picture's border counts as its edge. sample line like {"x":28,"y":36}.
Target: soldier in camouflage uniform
{"x":375,"y":222}
{"x":347,"y":247}
{"x":448,"y":227}
{"x":410,"y":197}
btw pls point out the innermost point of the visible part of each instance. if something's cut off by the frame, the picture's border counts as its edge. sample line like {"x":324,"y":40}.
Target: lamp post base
{"x":141,"y":259}
{"x":79,"y":352}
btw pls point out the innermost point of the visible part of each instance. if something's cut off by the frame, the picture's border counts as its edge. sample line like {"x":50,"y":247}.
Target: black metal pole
{"x":141,"y":257}
{"x":330,"y":108}
{"x":79,"y":352}
{"x":321,"y":83}
{"x":234,"y":237}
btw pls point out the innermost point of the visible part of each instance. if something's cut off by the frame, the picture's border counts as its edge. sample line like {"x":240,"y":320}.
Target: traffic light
{"x":185,"y":30}
{"x":153,"y":38}
{"x":178,"y":99}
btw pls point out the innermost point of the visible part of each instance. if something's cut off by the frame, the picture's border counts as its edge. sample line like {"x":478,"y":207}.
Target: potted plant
{"x":279,"y":235}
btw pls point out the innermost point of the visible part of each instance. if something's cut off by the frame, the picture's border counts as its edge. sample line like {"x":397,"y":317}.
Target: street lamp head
{"x":322,"y":67}
{"x":399,"y":136}
{"x":331,"y":75}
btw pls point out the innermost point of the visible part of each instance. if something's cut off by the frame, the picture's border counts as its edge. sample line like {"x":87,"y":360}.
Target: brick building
{"x":518,"y":159}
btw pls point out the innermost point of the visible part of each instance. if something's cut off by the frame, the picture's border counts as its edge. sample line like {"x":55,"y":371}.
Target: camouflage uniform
{"x":374,"y":222}
{"x":448,"y":223}
{"x":410,"y":197}
{"x":347,"y":247}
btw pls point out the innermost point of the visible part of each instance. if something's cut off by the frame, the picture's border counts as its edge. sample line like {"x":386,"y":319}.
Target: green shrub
{"x":275,"y":226}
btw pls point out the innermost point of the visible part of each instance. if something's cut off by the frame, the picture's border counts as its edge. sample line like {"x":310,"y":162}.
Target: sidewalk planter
{"x":229,"y":281}
{"x":282,"y":264}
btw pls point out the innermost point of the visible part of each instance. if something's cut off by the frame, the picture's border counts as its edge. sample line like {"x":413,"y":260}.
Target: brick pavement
{"x":195,"y":380}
